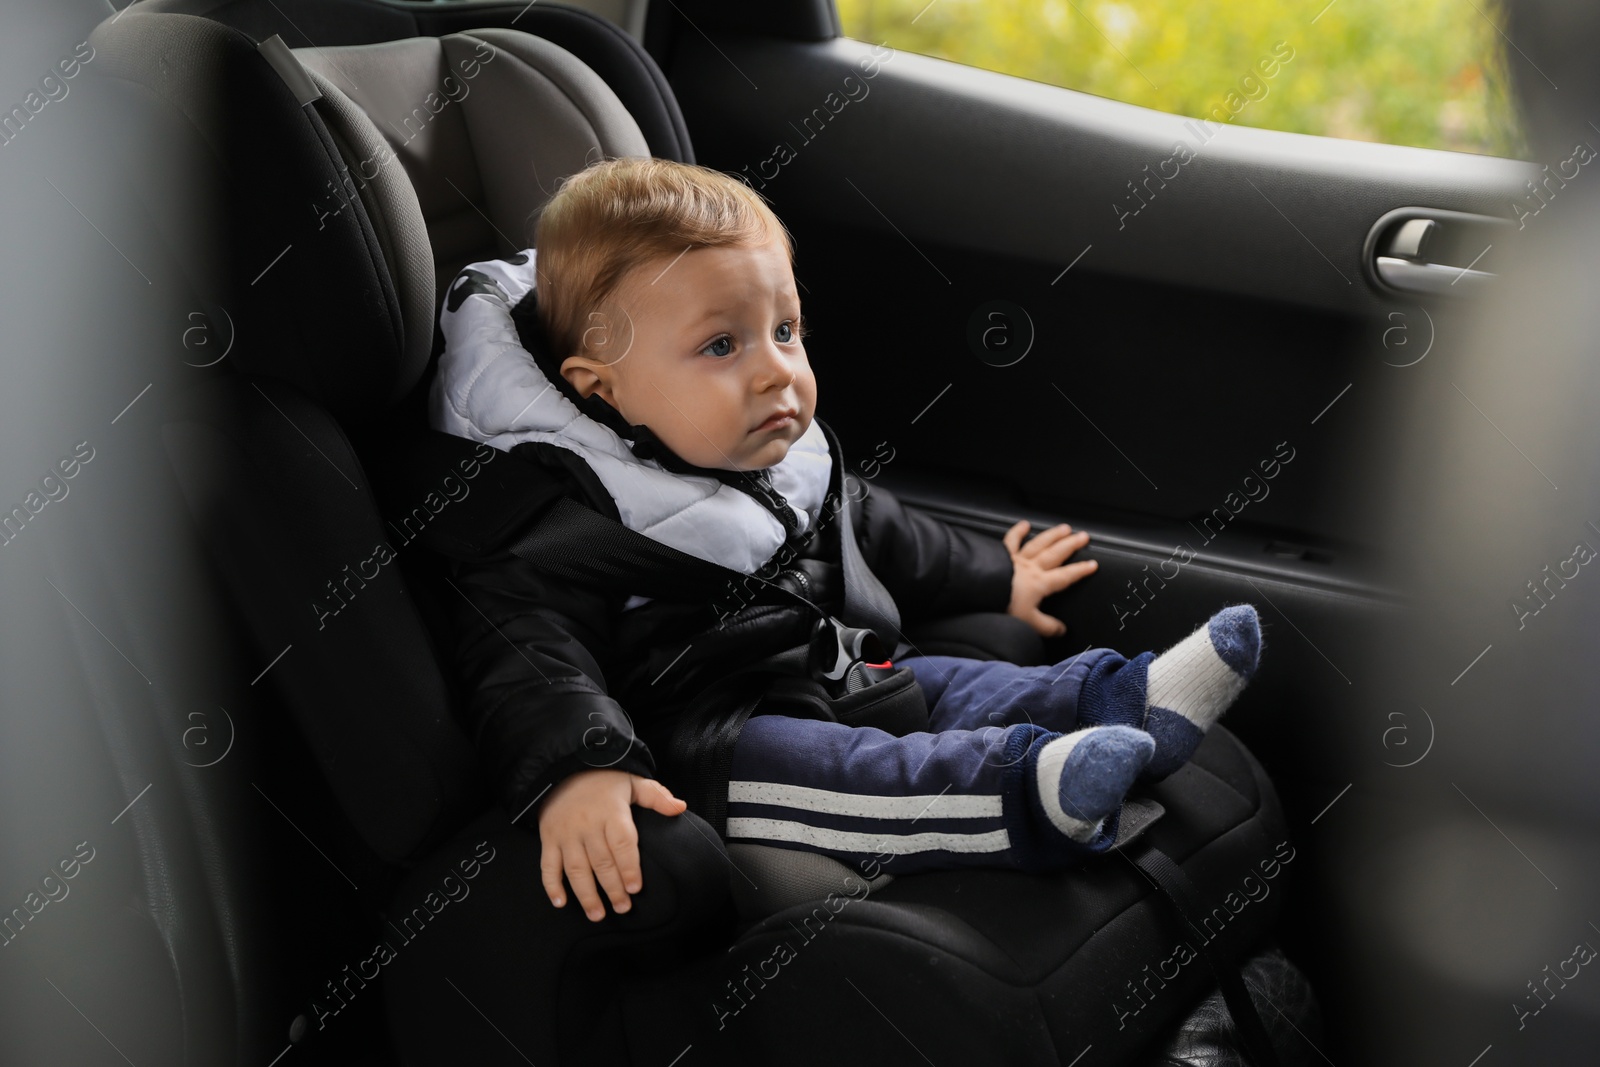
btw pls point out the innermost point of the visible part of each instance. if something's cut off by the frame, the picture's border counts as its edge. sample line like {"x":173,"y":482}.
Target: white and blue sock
{"x":1082,"y":777}
{"x":1195,"y":681}
{"x":1176,"y":696}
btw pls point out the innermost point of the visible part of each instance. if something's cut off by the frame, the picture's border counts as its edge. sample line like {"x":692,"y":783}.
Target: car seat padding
{"x":391,"y":204}
{"x":457,"y":112}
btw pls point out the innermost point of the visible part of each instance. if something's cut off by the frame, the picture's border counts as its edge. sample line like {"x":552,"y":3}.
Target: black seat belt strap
{"x":866,"y":602}
{"x":1169,"y":879}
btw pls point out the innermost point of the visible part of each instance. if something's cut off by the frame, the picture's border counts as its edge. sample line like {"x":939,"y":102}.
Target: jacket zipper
{"x":801,"y":579}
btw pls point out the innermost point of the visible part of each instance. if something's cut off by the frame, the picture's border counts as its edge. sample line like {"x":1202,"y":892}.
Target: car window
{"x":629,"y":14}
{"x":1429,"y":73}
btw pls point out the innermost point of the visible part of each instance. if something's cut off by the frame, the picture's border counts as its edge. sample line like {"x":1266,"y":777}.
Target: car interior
{"x":1224,"y":379}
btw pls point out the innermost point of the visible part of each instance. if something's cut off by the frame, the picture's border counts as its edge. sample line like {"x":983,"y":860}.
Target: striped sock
{"x":1082,"y":777}
{"x":1191,"y":684}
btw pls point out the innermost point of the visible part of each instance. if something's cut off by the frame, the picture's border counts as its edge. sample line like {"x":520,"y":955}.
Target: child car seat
{"x":982,"y":966}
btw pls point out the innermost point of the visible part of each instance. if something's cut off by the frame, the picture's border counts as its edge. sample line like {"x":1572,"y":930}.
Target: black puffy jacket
{"x":560,"y":678}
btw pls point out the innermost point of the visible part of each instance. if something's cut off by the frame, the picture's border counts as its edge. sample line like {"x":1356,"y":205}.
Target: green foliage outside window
{"x":1430,"y":73}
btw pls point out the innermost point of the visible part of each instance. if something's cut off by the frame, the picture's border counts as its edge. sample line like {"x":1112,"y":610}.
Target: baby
{"x":656,"y":372}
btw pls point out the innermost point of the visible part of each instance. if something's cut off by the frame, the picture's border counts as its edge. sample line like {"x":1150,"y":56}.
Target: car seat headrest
{"x":336,"y":256}
{"x":306,"y":282}
{"x":396,"y":219}
{"x":485,"y":123}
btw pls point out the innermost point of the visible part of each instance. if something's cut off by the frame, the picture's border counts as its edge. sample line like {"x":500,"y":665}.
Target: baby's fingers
{"x":1047,"y":541}
{"x":1066,"y":575}
{"x":623,"y":840}
{"x":649,"y":793}
{"x":1013,"y":537}
{"x":1054,"y":552}
{"x":1045,"y":625}
{"x":608,"y":871}
{"x":581,"y":877}
{"x":550,"y":874}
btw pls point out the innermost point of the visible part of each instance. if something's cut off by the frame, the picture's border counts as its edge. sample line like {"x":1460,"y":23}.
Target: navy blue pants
{"x":952,"y":797}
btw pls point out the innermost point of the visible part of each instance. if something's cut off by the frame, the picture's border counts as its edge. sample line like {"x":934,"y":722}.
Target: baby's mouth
{"x":778,"y":420}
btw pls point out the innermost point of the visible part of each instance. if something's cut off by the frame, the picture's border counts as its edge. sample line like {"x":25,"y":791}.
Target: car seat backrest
{"x":328,"y":279}
{"x":283,"y":506}
{"x":485,"y":124}
{"x":294,"y":285}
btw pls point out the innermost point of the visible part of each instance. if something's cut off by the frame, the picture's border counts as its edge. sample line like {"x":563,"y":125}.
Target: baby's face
{"x":707,"y":355}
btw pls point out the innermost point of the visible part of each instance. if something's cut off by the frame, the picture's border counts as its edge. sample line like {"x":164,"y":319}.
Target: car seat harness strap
{"x":1168,"y":879}
{"x":284,"y":61}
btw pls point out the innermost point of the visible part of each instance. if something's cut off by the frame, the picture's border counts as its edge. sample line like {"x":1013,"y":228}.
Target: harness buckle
{"x":846,"y":659}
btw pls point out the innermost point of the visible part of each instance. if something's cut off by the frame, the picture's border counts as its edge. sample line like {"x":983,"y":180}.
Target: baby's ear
{"x":581,"y":373}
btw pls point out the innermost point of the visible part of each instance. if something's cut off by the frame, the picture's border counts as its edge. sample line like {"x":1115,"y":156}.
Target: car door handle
{"x":1433,"y":251}
{"x":1415,"y":276}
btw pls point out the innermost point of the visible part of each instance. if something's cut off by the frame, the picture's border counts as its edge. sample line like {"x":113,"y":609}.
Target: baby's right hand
{"x":587,"y":831}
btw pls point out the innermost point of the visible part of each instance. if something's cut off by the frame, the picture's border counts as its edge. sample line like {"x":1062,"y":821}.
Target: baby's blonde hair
{"x":617,"y":214}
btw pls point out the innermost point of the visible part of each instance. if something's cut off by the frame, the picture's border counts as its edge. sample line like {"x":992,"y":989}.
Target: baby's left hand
{"x":1039,"y":569}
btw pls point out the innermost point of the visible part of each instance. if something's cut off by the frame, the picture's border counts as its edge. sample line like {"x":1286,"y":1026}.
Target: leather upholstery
{"x":1286,"y":1004}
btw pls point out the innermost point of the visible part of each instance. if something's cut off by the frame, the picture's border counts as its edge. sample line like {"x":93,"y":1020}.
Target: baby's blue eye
{"x":720,"y":347}
{"x":785,"y":332}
